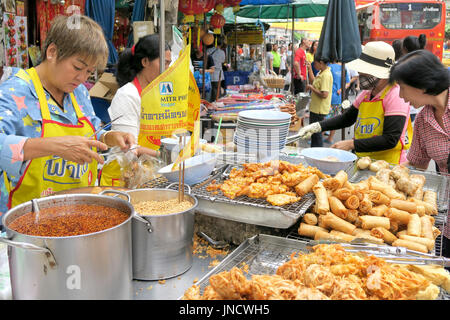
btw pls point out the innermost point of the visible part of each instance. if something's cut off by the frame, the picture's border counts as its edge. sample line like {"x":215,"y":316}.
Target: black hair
{"x":268,"y":47}
{"x":311,"y":49}
{"x":412,"y":43}
{"x":397,"y":45}
{"x":422,"y":70}
{"x":130,"y":64}
{"x":317,"y":58}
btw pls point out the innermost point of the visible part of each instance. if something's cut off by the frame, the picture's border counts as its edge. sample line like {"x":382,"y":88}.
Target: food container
{"x":170,"y":148}
{"x":162,"y":247}
{"x":315,"y":158}
{"x":196,"y":170}
{"x":90,"y":266}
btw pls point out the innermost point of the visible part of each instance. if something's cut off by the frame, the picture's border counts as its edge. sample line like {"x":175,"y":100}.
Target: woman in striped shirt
{"x":424,"y":81}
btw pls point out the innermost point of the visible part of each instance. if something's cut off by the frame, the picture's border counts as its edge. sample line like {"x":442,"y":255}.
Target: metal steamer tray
{"x":244,"y":209}
{"x":263,"y":254}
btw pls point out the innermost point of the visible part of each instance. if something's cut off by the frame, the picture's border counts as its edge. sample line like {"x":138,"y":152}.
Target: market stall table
{"x":174,"y":288}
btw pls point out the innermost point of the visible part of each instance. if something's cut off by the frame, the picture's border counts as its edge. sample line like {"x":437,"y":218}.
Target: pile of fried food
{"x":391,"y":207}
{"x":329,"y":272}
{"x":279,"y":182}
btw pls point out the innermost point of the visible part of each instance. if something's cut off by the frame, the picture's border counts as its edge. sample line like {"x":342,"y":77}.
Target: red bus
{"x":388,"y":20}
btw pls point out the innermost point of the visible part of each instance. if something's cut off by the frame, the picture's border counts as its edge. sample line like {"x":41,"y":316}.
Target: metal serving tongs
{"x":390,"y":254}
{"x":217,"y":172}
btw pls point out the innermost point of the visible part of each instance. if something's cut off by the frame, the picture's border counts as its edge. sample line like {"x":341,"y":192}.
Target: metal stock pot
{"x":162,"y":244}
{"x":91,"y":266}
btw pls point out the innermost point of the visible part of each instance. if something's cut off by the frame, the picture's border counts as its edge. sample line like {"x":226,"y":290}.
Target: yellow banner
{"x":193,"y":122}
{"x":164,"y":105}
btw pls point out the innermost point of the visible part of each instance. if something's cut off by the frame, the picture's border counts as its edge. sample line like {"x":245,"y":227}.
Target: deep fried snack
{"x":337,"y":207}
{"x":321,"y":194}
{"x":310,"y":218}
{"x":369,"y":222}
{"x":383,"y":175}
{"x":309,"y":230}
{"x":306,"y":185}
{"x":384,"y":234}
{"x":363,"y":163}
{"x":414,"y":226}
{"x":399,"y":171}
{"x":281,"y":199}
{"x":336,"y":182}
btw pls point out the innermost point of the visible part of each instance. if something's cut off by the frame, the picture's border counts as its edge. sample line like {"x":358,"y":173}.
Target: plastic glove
{"x":346,"y":104}
{"x":309,"y":130}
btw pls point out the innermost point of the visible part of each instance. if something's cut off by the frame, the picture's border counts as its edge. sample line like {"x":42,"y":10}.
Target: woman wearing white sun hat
{"x":383,"y":129}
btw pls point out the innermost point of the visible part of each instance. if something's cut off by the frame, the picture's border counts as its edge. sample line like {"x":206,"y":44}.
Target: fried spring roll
{"x":414,"y":226}
{"x":337,"y":182}
{"x":352,"y":202}
{"x":337,"y":207}
{"x":389,"y":191}
{"x":309,"y":230}
{"x":322,"y":203}
{"x":420,"y":210}
{"x":306,"y":185}
{"x":379,"y":211}
{"x":404,"y":205}
{"x":427,"y":228}
{"x":370,"y":222}
{"x":410,"y":245}
{"x":382,"y":233}
{"x":402,"y":217}
{"x":436,"y":232}
{"x":365,"y":204}
{"x":429,"y":208}
{"x":352,"y":215}
{"x":334,"y":222}
{"x":310,"y":218}
{"x":344,"y":236}
{"x":378,"y":197}
{"x":429,"y":243}
{"x":343,"y":193}
{"x":431,"y":198}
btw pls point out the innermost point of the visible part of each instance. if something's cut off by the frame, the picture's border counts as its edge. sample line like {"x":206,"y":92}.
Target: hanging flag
{"x":164,"y":104}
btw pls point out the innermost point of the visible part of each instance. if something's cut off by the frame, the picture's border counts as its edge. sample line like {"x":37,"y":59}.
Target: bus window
{"x":410,"y":15}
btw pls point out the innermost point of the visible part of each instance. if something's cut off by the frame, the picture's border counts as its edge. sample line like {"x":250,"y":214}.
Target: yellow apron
{"x":47,"y":175}
{"x":370,"y":124}
{"x":110,"y":174}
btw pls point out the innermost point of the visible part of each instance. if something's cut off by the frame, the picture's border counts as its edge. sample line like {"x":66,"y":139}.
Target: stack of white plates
{"x":262,"y":130}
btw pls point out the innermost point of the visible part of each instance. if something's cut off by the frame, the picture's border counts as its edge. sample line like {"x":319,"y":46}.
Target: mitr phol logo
{"x":166,"y":88}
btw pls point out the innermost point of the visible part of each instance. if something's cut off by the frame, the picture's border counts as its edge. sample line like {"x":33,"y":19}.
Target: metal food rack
{"x":263,"y":254}
{"x":260,"y":212}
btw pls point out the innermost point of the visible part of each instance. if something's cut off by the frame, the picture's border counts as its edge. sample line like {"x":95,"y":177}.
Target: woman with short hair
{"x":431,"y":138}
{"x":424,"y":81}
{"x":49,"y":133}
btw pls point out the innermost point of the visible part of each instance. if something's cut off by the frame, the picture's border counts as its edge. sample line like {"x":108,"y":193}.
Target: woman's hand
{"x":346,"y":145}
{"x":143,"y":150}
{"x":72,"y":148}
{"x":120,"y":139}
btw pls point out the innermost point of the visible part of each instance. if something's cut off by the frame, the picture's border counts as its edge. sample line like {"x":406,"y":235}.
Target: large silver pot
{"x":91,"y":266}
{"x":162,"y":247}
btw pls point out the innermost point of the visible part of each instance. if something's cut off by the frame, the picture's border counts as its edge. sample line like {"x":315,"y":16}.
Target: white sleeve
{"x":127,"y":104}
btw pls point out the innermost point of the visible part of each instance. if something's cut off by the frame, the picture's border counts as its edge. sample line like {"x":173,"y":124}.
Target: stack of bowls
{"x":262,"y":132}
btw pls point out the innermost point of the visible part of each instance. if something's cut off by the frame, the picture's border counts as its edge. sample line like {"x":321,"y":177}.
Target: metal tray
{"x":244,"y":209}
{"x":263,"y":254}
